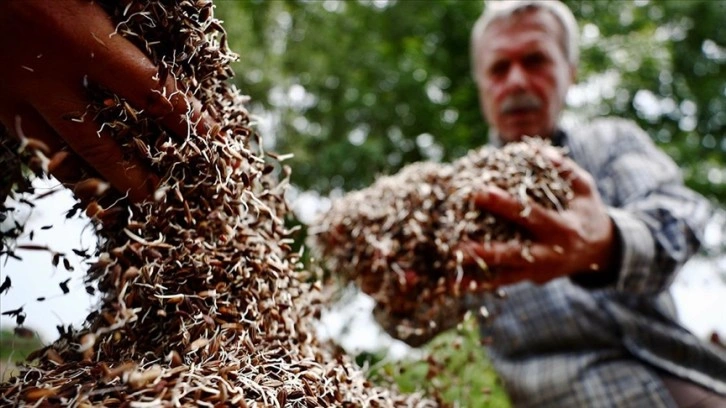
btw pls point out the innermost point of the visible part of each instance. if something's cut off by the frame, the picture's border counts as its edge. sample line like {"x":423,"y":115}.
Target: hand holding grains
{"x":398,"y":239}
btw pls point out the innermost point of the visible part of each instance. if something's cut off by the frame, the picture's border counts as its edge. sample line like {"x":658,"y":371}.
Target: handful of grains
{"x":201,"y":300}
{"x":397,"y":238}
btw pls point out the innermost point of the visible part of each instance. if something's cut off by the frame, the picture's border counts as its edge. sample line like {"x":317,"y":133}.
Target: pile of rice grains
{"x":397,"y":238}
{"x":202,"y":302}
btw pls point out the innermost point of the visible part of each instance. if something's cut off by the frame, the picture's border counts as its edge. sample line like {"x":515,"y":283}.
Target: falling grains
{"x":200,"y":301}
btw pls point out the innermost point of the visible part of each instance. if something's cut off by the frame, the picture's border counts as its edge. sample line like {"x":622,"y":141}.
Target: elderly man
{"x":589,"y":322}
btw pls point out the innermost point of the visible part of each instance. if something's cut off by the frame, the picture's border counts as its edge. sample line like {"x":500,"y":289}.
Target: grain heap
{"x":397,"y":238}
{"x":201,"y":299}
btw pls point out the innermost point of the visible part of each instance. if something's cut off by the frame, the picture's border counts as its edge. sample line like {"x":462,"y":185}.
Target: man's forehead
{"x":529,"y":29}
{"x":524,"y":44}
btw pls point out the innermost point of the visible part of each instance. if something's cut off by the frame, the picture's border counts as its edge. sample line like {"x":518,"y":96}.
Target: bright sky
{"x":36,"y":277}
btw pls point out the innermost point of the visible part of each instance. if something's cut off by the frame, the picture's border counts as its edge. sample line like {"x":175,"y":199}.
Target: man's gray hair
{"x":497,"y":9}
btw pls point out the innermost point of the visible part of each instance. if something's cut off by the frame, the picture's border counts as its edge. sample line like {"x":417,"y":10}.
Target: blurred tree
{"x":355,"y":89}
{"x":359,"y":88}
{"x":668,"y":59}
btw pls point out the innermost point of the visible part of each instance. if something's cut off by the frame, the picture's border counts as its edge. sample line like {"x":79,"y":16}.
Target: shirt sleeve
{"x":659,"y":221}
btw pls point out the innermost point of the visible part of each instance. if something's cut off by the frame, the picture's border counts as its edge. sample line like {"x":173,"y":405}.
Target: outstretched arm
{"x":581,"y":238}
{"x":631,"y":224}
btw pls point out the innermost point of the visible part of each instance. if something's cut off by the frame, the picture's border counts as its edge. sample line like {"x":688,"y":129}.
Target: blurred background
{"x":356,"y":89}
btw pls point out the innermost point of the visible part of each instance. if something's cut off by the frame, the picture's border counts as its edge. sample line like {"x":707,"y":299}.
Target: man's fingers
{"x":499,"y":203}
{"x":513,"y":254}
{"x":121,"y":67}
{"x":29,"y":125}
{"x":164,"y":102}
{"x":580,"y":180}
{"x":51,"y":154}
{"x":98,"y":149}
{"x":494,"y":254}
{"x":73,"y":150}
{"x":24,"y":122}
{"x":106,"y":58}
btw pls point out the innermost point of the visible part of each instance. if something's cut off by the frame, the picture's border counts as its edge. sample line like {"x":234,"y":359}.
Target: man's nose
{"x":516,"y":77}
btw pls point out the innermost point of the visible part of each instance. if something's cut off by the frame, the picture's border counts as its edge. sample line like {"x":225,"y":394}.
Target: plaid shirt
{"x":569,"y":344}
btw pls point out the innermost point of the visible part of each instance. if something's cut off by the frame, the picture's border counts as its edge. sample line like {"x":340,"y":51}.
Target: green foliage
{"x":360,"y":88}
{"x":672,"y":53}
{"x":456,"y":370}
{"x":14,"y":348}
{"x":381,"y":87}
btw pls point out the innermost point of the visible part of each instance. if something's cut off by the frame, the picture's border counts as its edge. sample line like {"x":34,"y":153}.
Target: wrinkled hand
{"x":50,"y":49}
{"x":580,"y":239}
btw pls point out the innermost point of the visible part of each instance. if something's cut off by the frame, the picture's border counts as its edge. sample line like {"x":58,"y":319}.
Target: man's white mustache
{"x":520,"y":102}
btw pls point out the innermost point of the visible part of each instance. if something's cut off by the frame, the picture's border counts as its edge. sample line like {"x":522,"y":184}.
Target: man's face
{"x":523,"y":74}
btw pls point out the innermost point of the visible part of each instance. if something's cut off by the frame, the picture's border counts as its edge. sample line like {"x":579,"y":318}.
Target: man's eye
{"x":499,"y":68}
{"x":534,"y":60}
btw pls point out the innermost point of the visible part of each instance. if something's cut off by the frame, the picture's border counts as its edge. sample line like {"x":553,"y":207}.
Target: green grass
{"x":14,"y":348}
{"x":455,"y":369}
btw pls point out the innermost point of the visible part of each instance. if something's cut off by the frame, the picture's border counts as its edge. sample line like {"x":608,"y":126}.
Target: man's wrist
{"x":597,"y":279}
{"x":606,"y":270}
